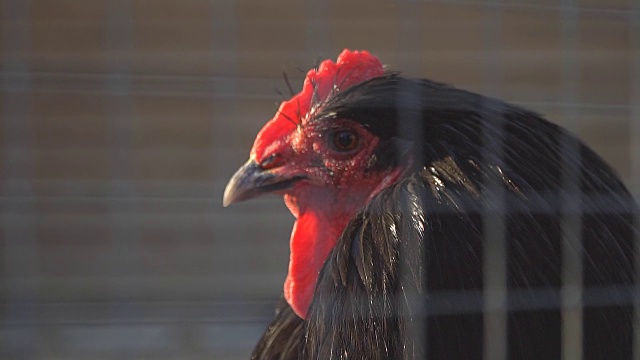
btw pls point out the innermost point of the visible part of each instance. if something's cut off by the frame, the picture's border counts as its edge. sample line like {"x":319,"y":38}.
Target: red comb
{"x":351,"y":67}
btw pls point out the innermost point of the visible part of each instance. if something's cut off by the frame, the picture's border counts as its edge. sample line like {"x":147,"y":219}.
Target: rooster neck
{"x":322,"y":216}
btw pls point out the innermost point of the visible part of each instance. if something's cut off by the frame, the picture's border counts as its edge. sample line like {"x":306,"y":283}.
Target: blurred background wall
{"x":121,"y":121}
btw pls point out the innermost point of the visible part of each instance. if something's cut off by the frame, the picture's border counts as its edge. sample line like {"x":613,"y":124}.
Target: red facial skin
{"x":337,"y":183}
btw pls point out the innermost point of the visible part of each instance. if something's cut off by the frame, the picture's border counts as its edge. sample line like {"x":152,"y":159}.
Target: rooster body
{"x":392,"y":181}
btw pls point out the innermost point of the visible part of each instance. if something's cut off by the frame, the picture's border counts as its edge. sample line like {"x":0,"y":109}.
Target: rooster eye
{"x":274,"y":160}
{"x":344,"y":140}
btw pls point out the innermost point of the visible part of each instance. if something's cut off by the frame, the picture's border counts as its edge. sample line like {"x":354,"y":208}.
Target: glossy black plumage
{"x":476,"y":158}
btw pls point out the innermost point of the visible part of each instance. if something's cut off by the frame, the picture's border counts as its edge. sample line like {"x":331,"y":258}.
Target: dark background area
{"x":121,"y":122}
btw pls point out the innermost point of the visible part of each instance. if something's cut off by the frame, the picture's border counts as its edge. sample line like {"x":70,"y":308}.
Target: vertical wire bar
{"x":410,"y":126}
{"x":493,"y":220}
{"x":571,"y":291}
{"x":118,"y":85}
{"x":318,"y":28}
{"x":634,"y":101}
{"x":224,"y":41}
{"x":634,"y":149}
{"x":18,"y":219}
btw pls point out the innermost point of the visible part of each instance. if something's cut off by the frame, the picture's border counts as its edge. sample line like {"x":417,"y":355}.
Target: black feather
{"x":425,"y":235}
{"x":282,"y":340}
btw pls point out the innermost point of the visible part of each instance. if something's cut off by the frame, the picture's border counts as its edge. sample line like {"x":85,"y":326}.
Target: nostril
{"x":272,"y":161}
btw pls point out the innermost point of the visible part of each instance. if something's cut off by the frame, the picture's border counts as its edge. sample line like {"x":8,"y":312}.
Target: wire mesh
{"x":121,"y":122}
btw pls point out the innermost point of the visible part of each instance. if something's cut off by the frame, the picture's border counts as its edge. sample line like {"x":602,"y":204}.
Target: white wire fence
{"x":121,"y":121}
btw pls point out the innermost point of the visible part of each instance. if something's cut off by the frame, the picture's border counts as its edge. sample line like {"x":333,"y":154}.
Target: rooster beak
{"x":251,"y":181}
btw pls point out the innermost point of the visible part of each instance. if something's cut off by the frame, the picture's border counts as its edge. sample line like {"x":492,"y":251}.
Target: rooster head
{"x":327,"y":167}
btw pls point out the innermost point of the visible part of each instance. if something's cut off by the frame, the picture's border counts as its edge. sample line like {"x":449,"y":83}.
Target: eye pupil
{"x":345,"y":140}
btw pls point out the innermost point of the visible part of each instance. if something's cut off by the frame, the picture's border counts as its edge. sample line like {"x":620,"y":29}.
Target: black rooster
{"x":399,"y":186}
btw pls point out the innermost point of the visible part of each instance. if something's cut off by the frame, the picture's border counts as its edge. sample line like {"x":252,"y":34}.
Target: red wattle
{"x":311,"y":242}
